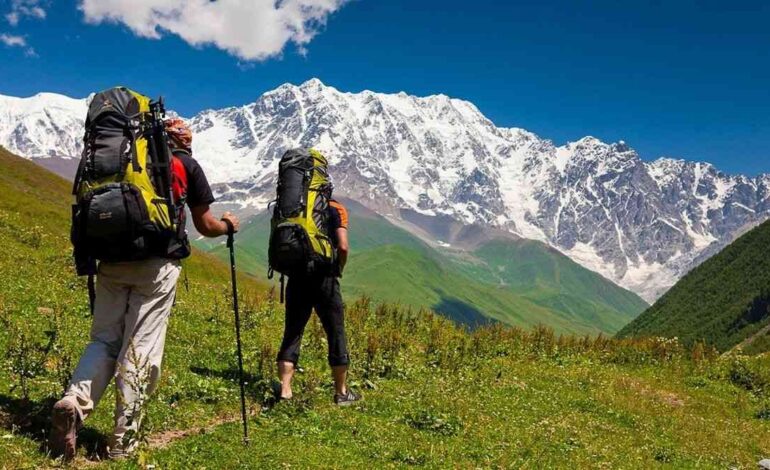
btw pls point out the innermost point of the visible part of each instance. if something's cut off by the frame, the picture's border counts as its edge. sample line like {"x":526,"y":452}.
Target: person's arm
{"x":343,"y":248}
{"x":200,"y":198}
{"x":208,"y":225}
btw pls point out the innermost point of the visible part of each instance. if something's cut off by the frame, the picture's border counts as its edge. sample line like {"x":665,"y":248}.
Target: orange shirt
{"x":339,"y":216}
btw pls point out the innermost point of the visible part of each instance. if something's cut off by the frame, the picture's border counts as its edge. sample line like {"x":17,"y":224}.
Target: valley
{"x":518,"y":282}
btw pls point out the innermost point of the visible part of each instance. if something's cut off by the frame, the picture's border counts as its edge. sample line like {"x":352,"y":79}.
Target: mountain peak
{"x":313,"y":83}
{"x":49,"y":96}
{"x":588,"y":141}
{"x":43,"y":99}
{"x":621,"y":146}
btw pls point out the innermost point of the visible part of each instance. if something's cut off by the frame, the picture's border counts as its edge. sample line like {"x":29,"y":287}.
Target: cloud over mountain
{"x":248,"y":29}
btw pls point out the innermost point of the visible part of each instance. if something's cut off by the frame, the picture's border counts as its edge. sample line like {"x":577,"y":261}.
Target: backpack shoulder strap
{"x":78,"y":176}
{"x":91,"y":292}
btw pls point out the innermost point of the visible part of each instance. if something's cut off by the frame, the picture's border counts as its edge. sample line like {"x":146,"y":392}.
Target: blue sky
{"x":680,"y":78}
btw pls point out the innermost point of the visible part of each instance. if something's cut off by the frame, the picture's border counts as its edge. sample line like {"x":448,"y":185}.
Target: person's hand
{"x":230,"y":217}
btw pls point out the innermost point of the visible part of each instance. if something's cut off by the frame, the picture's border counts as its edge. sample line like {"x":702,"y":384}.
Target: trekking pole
{"x":231,"y":245}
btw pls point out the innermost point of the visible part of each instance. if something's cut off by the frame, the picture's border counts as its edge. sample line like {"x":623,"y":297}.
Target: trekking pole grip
{"x":230,"y":231}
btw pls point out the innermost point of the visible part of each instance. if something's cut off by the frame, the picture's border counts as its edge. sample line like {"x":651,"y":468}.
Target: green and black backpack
{"x":124,"y":208}
{"x":299,"y":239}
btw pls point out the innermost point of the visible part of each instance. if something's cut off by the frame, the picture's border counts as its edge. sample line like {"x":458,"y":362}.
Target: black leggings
{"x":302,"y":295}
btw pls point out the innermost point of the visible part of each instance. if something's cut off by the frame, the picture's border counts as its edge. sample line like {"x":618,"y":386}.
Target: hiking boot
{"x":118,"y":454}
{"x":64,"y":429}
{"x":278,"y":392}
{"x":346,"y":399}
{"x":123,"y":446}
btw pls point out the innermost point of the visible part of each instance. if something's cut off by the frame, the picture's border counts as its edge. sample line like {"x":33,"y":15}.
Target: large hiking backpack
{"x":124,"y":208}
{"x":299,"y":239}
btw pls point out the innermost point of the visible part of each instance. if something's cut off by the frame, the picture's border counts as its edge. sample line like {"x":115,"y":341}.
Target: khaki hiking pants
{"x":131,"y":312}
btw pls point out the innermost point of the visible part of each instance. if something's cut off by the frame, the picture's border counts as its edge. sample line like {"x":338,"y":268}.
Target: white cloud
{"x":13,"y":41}
{"x":22,"y":8}
{"x":248,"y":29}
{"x":10,"y":40}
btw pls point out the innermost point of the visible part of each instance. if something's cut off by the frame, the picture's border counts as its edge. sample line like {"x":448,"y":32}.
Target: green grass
{"x":517,"y":282}
{"x":551,"y":280}
{"x":548,"y":413}
{"x":410,"y":277}
{"x":436,"y":396}
{"x":723,"y":301}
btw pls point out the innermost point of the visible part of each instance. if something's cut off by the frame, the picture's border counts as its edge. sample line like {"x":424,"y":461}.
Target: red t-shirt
{"x":189,"y":183}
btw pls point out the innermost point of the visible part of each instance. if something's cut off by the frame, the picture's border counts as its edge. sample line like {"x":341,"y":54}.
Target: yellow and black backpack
{"x":124,"y":208}
{"x":299,"y":239}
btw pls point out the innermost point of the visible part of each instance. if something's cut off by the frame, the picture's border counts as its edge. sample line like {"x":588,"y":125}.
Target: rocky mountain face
{"x":641,"y":224}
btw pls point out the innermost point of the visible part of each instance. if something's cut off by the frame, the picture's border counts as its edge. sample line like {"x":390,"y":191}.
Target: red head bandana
{"x":180,"y":134}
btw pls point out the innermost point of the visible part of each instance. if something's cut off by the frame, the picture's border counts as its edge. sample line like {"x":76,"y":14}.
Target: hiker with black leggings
{"x":312,"y":287}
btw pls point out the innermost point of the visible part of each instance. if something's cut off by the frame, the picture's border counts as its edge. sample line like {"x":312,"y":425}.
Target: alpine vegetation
{"x":546,"y":398}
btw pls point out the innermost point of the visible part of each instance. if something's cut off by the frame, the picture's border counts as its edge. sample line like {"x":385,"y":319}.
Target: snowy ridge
{"x":640,"y":224}
{"x":42,"y":126}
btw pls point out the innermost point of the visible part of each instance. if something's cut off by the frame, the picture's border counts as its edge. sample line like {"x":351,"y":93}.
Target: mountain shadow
{"x":461,"y":312}
{"x":757,"y":311}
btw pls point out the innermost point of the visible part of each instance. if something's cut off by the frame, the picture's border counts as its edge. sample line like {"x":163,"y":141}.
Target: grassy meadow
{"x":435,"y":395}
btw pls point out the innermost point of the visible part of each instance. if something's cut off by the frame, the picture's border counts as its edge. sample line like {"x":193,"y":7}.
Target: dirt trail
{"x":162,"y":439}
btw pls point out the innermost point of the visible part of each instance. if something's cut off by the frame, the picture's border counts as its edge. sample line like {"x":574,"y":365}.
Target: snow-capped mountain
{"x":45,"y":125}
{"x":641,"y":224}
{"x":47,"y":128}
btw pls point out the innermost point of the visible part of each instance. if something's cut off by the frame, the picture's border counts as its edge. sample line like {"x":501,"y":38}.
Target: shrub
{"x":746,"y":373}
{"x":27,"y":353}
{"x":763,"y":412}
{"x":436,"y":423}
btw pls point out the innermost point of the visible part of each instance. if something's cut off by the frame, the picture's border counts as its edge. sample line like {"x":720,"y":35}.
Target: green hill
{"x":551,"y":280}
{"x":435,"y":395}
{"x":724,"y":301}
{"x":518,"y":282}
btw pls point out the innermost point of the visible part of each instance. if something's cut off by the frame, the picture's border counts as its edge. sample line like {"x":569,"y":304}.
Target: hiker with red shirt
{"x":131,"y":311}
